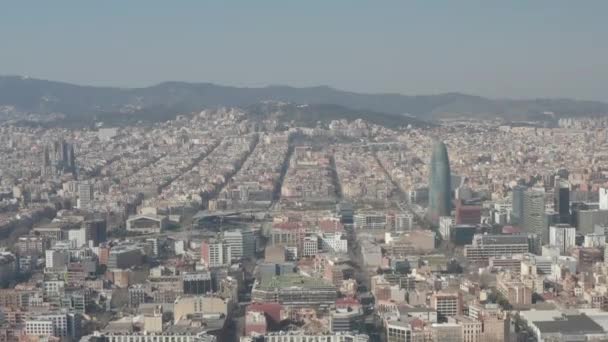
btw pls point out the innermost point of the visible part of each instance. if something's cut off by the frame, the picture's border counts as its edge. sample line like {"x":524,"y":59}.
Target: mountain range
{"x":167,"y":99}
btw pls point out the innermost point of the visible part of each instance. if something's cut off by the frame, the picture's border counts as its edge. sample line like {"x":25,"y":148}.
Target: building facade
{"x":440,"y":203}
{"x":562,"y":236}
{"x":534,"y":219}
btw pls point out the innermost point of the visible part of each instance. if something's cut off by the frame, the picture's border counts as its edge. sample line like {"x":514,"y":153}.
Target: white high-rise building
{"x":234,"y":241}
{"x":445,"y":226}
{"x":603,"y":198}
{"x":85,"y":195}
{"x":562,"y":236}
{"x":79,"y":236}
{"x":215,"y":253}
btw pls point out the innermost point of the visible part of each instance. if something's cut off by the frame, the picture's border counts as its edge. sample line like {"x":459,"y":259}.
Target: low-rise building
{"x":147,"y":223}
{"x":294,"y":290}
{"x":486,"y":246}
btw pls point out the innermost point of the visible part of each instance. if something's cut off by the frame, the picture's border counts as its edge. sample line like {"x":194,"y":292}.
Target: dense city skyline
{"x":228,"y":216}
{"x":136,"y":207}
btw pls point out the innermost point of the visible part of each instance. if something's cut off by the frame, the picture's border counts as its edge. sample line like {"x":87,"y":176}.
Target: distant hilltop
{"x":165,"y":100}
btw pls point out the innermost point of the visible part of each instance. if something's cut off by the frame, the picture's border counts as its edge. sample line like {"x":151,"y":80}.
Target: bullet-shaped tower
{"x":440,"y":202}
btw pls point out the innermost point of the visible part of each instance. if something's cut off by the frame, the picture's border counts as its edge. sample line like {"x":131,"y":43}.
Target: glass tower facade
{"x":440,"y":202}
{"x":561,"y":200}
{"x":517,"y":210}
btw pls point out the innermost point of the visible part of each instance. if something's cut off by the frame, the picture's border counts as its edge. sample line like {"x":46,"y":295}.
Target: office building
{"x":404,"y":221}
{"x":241,"y":243}
{"x":249,"y":243}
{"x":468,"y":214}
{"x":234,"y":241}
{"x":440,"y":202}
{"x":445,"y":226}
{"x":487,"y":246}
{"x":168,"y":336}
{"x":345,"y":319}
{"x":586,"y":220}
{"x":370,"y":220}
{"x":125,"y":256}
{"x":71,"y":159}
{"x":345,"y":211}
{"x":96,"y":230}
{"x":561,"y":200}
{"x":85,"y":195}
{"x":32,"y":245}
{"x":462,"y":234}
{"x":294,"y":290}
{"x":45,"y":168}
{"x":534,"y":219}
{"x":562,"y":236}
{"x":56,"y":259}
{"x":196,"y":283}
{"x":215,"y":253}
{"x":50,"y":324}
{"x":78,"y":236}
{"x":511,"y":264}
{"x":517,"y":205}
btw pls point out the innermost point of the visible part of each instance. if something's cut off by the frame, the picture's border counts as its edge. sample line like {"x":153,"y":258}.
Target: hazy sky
{"x":549,"y":48}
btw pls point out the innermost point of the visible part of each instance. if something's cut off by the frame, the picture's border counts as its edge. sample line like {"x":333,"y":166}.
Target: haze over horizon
{"x":319,"y":170}
{"x":407,"y":48}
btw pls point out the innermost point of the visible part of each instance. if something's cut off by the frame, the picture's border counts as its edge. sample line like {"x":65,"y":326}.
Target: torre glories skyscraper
{"x":440,"y":202}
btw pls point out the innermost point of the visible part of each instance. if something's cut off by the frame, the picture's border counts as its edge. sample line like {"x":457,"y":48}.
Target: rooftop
{"x":504,"y":239}
{"x":292,"y":280}
{"x":570,"y":324}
